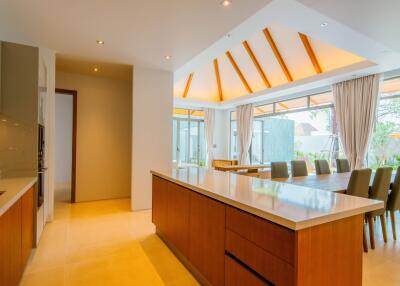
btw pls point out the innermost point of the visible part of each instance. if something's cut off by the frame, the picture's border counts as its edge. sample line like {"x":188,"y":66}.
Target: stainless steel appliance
{"x":41,"y":164}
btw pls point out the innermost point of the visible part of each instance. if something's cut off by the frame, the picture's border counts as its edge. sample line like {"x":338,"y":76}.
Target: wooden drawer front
{"x":275,"y":239}
{"x":237,"y":275}
{"x":273,"y":269}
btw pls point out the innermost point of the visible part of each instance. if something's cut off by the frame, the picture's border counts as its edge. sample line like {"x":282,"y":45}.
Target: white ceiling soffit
{"x":135,"y":32}
{"x":298,"y":17}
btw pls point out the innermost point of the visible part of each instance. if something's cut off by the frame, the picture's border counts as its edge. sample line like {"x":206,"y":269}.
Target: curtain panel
{"x":355,"y":107}
{"x":244,"y":131}
{"x":209,"y":125}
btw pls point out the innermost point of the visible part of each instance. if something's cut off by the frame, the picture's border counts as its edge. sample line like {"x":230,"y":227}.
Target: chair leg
{"x":365,"y":244}
{"x":383,"y":225}
{"x":371,"y":232}
{"x":393,"y":221}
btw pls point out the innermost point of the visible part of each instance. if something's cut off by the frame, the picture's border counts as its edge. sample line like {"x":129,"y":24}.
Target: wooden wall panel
{"x":160,"y":203}
{"x":207,"y":237}
{"x":27,"y":211}
{"x":331,"y":253}
{"x":10,"y":246}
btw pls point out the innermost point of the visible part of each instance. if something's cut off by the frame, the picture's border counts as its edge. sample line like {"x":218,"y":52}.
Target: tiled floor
{"x":103,"y":243}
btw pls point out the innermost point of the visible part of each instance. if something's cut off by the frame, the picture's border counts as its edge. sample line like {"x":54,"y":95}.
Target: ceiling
{"x":135,"y":32}
{"x":259,"y":68}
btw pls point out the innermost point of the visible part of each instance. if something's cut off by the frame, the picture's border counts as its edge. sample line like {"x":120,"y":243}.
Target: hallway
{"x":103,"y":243}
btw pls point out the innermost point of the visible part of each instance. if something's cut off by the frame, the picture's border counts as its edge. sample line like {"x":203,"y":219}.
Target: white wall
{"x":221,"y":134}
{"x":63,"y":147}
{"x":151,"y":130}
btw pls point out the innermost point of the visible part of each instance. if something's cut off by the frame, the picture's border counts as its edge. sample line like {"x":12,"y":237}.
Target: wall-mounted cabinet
{"x":19,"y":83}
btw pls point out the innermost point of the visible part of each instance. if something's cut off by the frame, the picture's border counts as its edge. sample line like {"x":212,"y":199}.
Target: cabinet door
{"x":178,"y":217}
{"x":237,"y":275}
{"x":207,"y":237}
{"x":10,"y":246}
{"x":160,"y":203}
{"x":27,"y":226}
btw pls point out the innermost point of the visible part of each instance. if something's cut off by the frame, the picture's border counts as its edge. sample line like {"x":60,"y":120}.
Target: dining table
{"x":335,"y":182}
{"x":248,"y":168}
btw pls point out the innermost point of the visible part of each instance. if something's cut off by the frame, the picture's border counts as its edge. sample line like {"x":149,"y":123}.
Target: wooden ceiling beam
{"x":310,"y":52}
{"x":187,"y":87}
{"x":239,"y":73}
{"x":256,"y":64}
{"x":284,"y":106}
{"x":277,"y":54}
{"x":218,"y":77}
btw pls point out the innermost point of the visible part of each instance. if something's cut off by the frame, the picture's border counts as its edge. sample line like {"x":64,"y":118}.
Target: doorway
{"x":65,"y":145}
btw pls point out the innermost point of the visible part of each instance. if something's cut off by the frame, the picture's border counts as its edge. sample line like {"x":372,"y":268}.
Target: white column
{"x":151,"y":130}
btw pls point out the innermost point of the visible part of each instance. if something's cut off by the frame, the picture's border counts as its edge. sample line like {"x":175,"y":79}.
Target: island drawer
{"x":238,"y":275}
{"x":270,"y":267}
{"x":275,"y":239}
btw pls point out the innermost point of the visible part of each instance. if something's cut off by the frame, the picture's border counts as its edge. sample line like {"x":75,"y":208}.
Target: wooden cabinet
{"x":160,"y":203}
{"x":16,"y":239}
{"x":207,"y":237}
{"x":238,"y":275}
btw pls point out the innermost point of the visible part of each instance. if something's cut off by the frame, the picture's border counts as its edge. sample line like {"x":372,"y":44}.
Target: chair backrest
{"x":299,"y":168}
{"x":342,"y":165}
{"x":394,"y":198}
{"x":279,"y":170}
{"x":322,"y":167}
{"x":381,"y":185}
{"x":359,"y":183}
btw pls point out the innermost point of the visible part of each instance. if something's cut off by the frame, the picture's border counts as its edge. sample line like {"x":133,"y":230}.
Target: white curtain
{"x":355,"y":106}
{"x":244,"y":115}
{"x":209,"y":123}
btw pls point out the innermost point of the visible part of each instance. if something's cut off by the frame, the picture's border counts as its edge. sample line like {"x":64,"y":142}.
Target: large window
{"x":188,"y":142}
{"x":305,"y":128}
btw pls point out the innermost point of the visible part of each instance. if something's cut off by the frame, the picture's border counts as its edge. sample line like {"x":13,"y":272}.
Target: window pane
{"x":234,"y":147}
{"x":384,"y":149}
{"x":174,"y":140}
{"x":233,"y":115}
{"x":391,"y":87}
{"x":321,"y":99}
{"x":202,"y":143}
{"x":194,"y":142}
{"x":181,"y":113}
{"x":183,"y":141}
{"x":263,"y":109}
{"x":291,"y":104}
{"x":256,"y":143}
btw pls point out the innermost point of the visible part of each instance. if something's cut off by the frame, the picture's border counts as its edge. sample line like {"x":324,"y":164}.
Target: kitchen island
{"x":229,"y":229}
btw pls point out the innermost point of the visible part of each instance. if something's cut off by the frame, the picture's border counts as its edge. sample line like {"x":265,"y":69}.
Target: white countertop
{"x":14,"y":189}
{"x":291,"y":206}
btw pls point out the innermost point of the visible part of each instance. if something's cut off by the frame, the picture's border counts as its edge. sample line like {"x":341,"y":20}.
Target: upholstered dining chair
{"x":299,"y":168}
{"x":359,"y":186}
{"x":279,"y":170}
{"x":322,"y":167}
{"x":393,"y":203}
{"x":379,"y":191}
{"x":342,"y":165}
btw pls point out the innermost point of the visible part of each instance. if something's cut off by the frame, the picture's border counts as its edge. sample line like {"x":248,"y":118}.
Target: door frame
{"x":74,"y":95}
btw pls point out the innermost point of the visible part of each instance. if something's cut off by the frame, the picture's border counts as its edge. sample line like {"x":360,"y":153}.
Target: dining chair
{"x":279,"y":170}
{"x":342,"y":165}
{"x":322,"y":167}
{"x":299,"y":168}
{"x":379,"y":191}
{"x":393,"y":203}
{"x":359,"y":186}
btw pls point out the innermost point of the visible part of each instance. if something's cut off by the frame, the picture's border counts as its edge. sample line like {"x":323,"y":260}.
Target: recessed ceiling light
{"x":96,"y":69}
{"x":100,"y":42}
{"x":324,"y":24}
{"x":226,"y":3}
{"x":167,"y":57}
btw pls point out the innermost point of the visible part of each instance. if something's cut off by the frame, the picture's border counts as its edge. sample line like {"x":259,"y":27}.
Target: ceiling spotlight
{"x":226,"y":3}
{"x":96,"y":69}
{"x":167,"y":57}
{"x":100,"y":42}
{"x":324,"y":24}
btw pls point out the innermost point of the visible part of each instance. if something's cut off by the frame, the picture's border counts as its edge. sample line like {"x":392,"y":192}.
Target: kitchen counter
{"x":291,"y":206}
{"x":14,"y":189}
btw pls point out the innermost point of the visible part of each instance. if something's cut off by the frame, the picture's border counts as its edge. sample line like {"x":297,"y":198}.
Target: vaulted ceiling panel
{"x":204,"y":84}
{"x":232,"y":86}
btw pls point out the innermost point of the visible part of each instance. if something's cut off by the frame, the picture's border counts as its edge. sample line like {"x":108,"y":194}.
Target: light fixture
{"x":96,"y":69}
{"x":100,"y":42}
{"x":226,"y":3}
{"x":324,"y":24}
{"x":167,"y":57}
